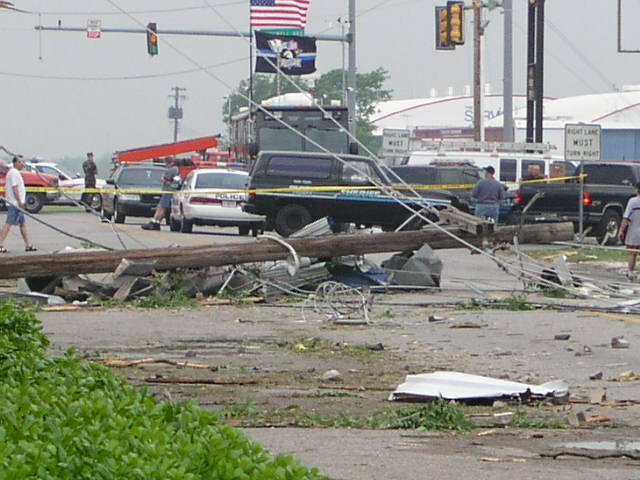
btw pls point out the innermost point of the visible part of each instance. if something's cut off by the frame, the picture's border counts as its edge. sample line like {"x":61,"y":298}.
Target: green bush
{"x":66,"y":419}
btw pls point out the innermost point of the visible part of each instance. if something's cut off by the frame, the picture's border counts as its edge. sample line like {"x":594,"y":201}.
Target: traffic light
{"x":152,"y":39}
{"x":456,"y":22}
{"x":443,"y":28}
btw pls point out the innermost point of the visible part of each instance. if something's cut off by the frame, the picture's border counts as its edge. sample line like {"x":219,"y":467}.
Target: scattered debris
{"x":598,"y":419}
{"x":619,"y":342}
{"x":465,"y":387}
{"x":628,"y":376}
{"x":468,"y":325}
{"x":123,"y":363}
{"x":596,"y":376}
{"x":332,"y":376}
{"x":436,"y":318}
{"x":502,"y":459}
{"x":598,"y":397}
{"x":376,"y":347}
{"x":562,"y":336}
{"x":422,"y":268}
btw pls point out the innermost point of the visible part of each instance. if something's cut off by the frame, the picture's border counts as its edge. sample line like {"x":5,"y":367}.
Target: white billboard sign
{"x":582,"y":142}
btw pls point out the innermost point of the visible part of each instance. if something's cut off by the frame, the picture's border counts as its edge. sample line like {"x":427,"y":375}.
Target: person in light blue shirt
{"x":487,"y":195}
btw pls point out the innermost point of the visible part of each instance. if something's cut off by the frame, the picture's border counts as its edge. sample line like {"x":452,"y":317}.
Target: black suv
{"x":442,"y":175}
{"x":288,"y":211}
{"x":124,"y":198}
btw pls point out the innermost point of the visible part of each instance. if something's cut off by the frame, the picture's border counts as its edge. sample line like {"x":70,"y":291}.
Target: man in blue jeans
{"x":487,"y":195}
{"x":165,"y":200}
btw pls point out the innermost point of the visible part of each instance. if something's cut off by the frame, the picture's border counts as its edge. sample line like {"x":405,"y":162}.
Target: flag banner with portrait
{"x":291,"y":54}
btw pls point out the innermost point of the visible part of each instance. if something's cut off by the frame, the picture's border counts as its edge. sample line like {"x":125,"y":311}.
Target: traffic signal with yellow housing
{"x":443,"y":29}
{"x":152,"y":39}
{"x":456,"y":22}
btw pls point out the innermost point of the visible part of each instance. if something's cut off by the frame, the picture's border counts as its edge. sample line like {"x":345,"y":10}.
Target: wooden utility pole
{"x":73,"y":263}
{"x":478,"y":114}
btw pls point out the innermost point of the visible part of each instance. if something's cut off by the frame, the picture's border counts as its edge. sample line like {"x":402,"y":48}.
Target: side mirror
{"x":253,"y":149}
{"x":353,"y":148}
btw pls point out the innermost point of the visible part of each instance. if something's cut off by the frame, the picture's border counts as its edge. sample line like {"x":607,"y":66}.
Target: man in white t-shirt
{"x":15,"y":195}
{"x":630,"y":232}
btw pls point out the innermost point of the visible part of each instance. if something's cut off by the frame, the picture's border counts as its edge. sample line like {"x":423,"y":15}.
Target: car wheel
{"x":186,"y":225}
{"x":34,"y":202}
{"x":256,"y":230}
{"x":243,"y":229}
{"x":292,"y":218}
{"x":96,"y":202}
{"x":174,"y":225}
{"x":106,"y":214}
{"x":118,"y":216}
{"x":609,"y":227}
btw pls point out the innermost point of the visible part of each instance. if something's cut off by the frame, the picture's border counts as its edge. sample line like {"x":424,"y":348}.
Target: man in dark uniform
{"x":90,"y":171}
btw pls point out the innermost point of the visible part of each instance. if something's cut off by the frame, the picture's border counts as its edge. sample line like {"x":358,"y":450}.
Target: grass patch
{"x":516,"y":303}
{"x":435,"y":415}
{"x":65,"y":419}
{"x":237,"y":297}
{"x":582,"y":255}
{"x":521,"y":419}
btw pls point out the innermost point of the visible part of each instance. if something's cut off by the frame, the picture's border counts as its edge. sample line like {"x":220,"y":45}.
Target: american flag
{"x":279,"y":14}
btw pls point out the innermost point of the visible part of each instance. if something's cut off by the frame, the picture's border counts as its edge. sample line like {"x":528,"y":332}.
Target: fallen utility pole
{"x":79,"y":262}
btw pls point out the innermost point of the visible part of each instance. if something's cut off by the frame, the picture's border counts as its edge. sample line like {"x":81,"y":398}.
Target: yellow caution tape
{"x":290,"y":189}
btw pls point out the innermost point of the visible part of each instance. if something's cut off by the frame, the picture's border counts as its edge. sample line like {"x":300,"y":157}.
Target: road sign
{"x":582,"y":142}
{"x":395,"y":141}
{"x":94,"y":28}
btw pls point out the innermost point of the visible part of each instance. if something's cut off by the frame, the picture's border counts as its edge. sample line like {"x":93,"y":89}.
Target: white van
{"x":511,"y":166}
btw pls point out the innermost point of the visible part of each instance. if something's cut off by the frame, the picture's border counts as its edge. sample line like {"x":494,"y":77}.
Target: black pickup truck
{"x":309,"y":186}
{"x":608,"y":186}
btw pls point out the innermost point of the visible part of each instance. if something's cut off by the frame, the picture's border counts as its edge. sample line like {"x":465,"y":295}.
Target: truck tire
{"x":34,"y":202}
{"x":174,"y":225}
{"x":292,"y":218}
{"x":118,"y":216}
{"x":609,"y":223}
{"x":186,"y":225}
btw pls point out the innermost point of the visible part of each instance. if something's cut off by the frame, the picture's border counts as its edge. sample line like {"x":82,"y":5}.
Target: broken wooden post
{"x":77,"y":262}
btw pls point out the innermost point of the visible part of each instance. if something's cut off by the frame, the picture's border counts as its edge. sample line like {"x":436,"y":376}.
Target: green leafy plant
{"x":515,"y":302}
{"x":435,"y":415}
{"x":65,"y":419}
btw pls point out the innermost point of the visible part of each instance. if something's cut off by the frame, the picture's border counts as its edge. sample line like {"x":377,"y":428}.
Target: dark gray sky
{"x":64,"y":94}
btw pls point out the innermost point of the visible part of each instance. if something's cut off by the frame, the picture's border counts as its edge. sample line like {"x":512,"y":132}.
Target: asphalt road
{"x":519,"y":345}
{"x":88,"y":226}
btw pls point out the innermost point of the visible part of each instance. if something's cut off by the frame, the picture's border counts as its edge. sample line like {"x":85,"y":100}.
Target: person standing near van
{"x":164,"y":205}
{"x":630,"y":232}
{"x":487,"y":195}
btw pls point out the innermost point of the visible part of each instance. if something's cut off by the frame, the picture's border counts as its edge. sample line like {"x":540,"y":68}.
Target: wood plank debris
{"x":75,"y":262}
